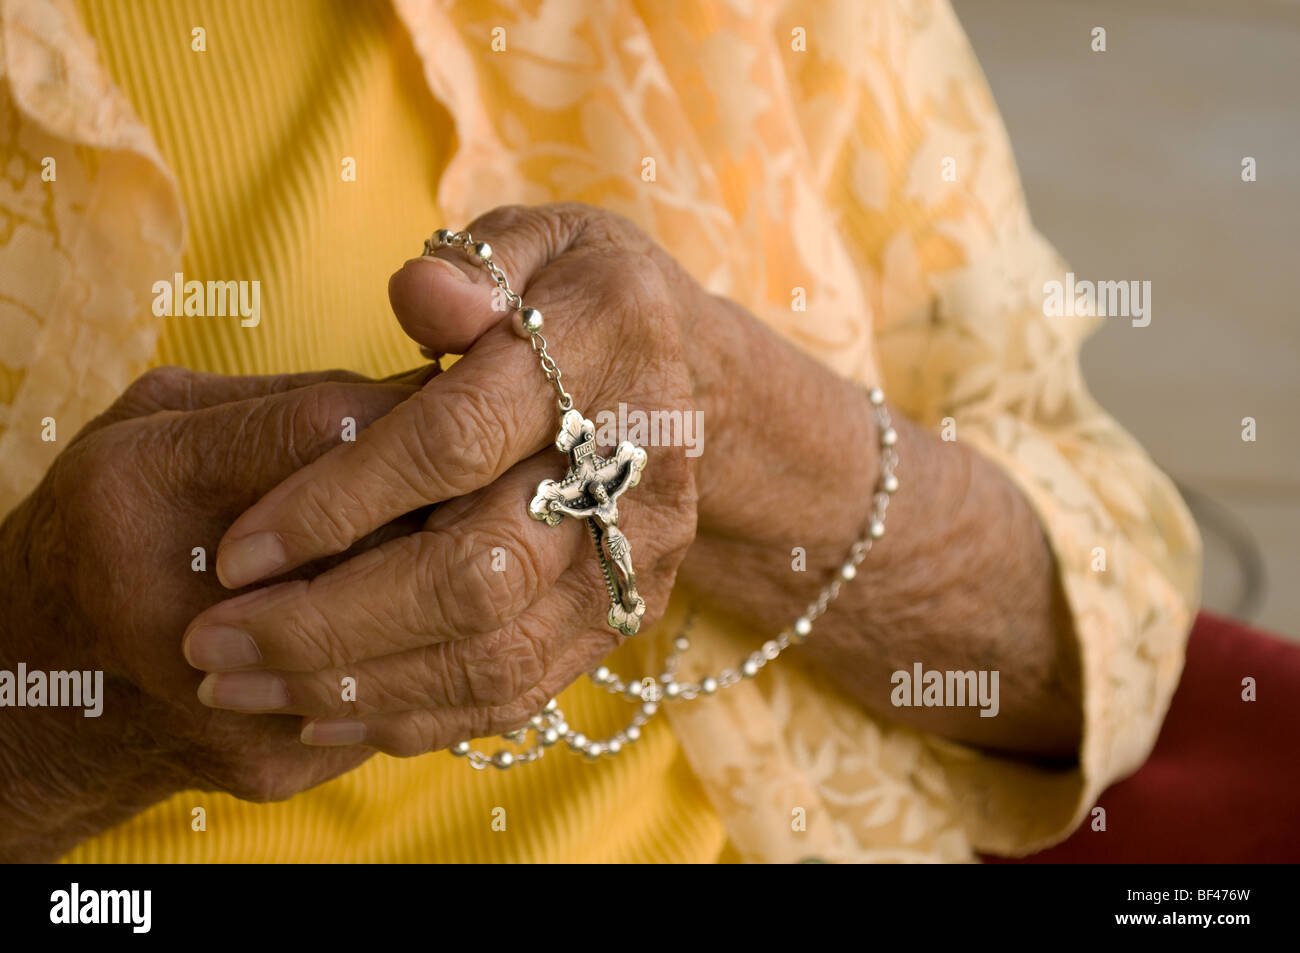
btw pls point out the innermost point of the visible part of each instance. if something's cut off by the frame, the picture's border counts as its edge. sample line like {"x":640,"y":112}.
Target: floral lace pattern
{"x":788,"y":152}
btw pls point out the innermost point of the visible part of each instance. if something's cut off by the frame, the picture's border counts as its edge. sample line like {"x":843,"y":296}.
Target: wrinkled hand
{"x":442,"y":646}
{"x":105,"y":548}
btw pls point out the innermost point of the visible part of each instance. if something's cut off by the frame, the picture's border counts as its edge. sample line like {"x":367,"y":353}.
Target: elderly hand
{"x":443,"y":648}
{"x":97,"y":572}
{"x":466,"y":628}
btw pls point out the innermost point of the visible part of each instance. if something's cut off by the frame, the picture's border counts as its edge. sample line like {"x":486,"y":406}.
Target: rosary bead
{"x":526,"y":322}
{"x":549,"y":726}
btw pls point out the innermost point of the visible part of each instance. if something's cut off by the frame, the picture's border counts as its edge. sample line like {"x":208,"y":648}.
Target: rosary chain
{"x":480,"y":253}
{"x":549,"y":726}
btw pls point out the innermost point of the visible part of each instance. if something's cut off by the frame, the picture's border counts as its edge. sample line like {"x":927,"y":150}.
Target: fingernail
{"x":452,"y":269}
{"x":334,"y":731}
{"x":249,"y":559}
{"x":216,"y":648}
{"x":244,"y":691}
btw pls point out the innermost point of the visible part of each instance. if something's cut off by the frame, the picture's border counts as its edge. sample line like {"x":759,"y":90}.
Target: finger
{"x":424,"y":729}
{"x":242,"y":444}
{"x":179,"y":388}
{"x":446,"y":302}
{"x":489,"y":671}
{"x":476,"y":568}
{"x":461,"y":432}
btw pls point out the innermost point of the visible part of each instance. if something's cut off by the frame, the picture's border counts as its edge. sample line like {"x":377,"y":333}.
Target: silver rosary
{"x":590,"y":491}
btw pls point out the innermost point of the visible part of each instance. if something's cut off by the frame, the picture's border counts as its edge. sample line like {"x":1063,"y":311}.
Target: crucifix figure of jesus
{"x":590,"y":491}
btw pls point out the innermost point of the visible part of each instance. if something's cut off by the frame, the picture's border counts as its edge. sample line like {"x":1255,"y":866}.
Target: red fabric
{"x":1223,"y":783}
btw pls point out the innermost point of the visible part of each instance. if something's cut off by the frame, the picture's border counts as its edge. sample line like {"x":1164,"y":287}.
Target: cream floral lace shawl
{"x":794,"y":145}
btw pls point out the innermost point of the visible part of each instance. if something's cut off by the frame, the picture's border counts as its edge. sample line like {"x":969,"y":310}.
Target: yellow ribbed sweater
{"x":257,"y":128}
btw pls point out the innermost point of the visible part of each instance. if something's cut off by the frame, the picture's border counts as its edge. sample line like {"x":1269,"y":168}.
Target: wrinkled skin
{"x":98,"y":576}
{"x":443,"y":647}
{"x":362,"y":579}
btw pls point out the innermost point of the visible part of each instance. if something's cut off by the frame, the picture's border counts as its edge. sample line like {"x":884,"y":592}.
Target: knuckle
{"x":631,"y":289}
{"x":483,"y":425}
{"x":157,"y":386}
{"x":497,"y":669}
{"x":561,"y":223}
{"x":676,"y":544}
{"x":101,"y":492}
{"x":550,"y":228}
{"x":676,"y":479}
{"x":474,"y":598}
{"x":86,"y":478}
{"x":415,"y":610}
{"x":322,"y":517}
{"x":441,"y":683}
{"x":461,"y":439}
{"x":309,"y":419}
{"x":502,"y":594}
{"x":307,"y":634}
{"x":515,"y":586}
{"x":598,"y":227}
{"x":489,"y":596}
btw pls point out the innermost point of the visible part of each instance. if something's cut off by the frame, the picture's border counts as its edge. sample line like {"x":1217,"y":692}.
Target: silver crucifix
{"x":590,"y":491}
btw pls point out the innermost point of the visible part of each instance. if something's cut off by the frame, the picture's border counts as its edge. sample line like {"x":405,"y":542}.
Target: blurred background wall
{"x":1132,"y":162}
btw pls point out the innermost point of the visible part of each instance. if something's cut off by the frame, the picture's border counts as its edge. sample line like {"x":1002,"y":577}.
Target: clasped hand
{"x":467,"y":626}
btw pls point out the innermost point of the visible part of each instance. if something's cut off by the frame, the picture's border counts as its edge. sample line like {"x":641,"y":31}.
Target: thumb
{"x":445,"y":301}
